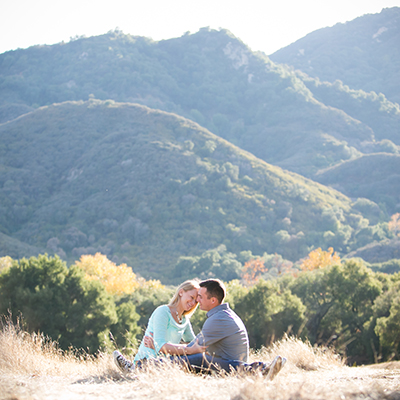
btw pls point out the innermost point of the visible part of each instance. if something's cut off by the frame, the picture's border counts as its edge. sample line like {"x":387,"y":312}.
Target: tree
{"x":269,"y":311}
{"x":252,"y":270}
{"x":387,"y":328}
{"x":5,"y":263}
{"x":319,"y":259}
{"x":126,"y":330}
{"x":339,"y":300}
{"x":58,"y":302}
{"x":117,"y":279}
{"x":213,"y":263}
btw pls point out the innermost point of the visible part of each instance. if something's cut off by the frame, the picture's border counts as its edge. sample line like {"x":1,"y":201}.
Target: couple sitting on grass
{"x":222,"y":344}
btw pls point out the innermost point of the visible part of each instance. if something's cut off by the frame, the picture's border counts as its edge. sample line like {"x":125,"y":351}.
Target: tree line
{"x":96,"y":304}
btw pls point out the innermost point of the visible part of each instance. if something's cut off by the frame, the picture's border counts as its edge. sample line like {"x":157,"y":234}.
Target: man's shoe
{"x":122,"y":363}
{"x":256,"y":366}
{"x":273,"y":369}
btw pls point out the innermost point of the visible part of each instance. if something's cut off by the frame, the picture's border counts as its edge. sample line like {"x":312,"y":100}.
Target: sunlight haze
{"x":262,"y":25}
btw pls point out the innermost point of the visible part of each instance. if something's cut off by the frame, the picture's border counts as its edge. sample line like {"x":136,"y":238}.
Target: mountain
{"x":147,"y":151}
{"x":373,"y":176}
{"x":144,"y":187}
{"x":363,"y":53}
{"x":212,"y":78}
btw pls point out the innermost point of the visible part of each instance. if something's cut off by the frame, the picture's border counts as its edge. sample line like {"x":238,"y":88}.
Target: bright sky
{"x":265,"y":25}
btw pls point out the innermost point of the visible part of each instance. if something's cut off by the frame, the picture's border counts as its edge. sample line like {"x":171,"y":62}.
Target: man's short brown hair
{"x":215,"y":288}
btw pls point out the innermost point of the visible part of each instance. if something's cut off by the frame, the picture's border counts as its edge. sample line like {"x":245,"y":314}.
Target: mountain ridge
{"x":210,"y":83}
{"x":335,"y":53}
{"x":146,"y":186}
{"x":236,"y":94}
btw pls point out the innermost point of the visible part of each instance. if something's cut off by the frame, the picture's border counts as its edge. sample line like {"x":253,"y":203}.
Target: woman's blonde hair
{"x":185,"y":286}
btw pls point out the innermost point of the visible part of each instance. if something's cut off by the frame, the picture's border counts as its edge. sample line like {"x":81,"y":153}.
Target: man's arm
{"x":214,"y":329}
{"x":176,"y":349}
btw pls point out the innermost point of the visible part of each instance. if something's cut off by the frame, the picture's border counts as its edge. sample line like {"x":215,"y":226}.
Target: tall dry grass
{"x":33,"y":367}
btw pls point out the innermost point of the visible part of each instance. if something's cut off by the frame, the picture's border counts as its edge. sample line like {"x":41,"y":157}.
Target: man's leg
{"x":206,"y":363}
{"x":269,"y":370}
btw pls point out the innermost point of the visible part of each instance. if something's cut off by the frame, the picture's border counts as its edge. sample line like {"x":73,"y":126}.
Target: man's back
{"x":225,"y":335}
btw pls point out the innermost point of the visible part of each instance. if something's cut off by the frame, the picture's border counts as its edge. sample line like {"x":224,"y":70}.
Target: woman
{"x":168,"y":326}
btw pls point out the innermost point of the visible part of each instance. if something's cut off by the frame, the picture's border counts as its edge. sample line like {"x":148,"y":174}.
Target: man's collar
{"x":223,"y":306}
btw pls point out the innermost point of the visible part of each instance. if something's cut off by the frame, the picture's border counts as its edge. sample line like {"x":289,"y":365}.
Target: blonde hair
{"x":185,"y":286}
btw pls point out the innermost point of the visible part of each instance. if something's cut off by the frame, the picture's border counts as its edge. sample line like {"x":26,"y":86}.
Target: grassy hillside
{"x":381,"y":115}
{"x":363,"y":53}
{"x":210,"y":77}
{"x":374,"y":176}
{"x":14,"y":248}
{"x":145,"y":187}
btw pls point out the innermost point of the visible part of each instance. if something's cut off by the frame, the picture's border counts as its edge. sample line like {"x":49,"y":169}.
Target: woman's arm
{"x":182,"y":349}
{"x":176,"y":349}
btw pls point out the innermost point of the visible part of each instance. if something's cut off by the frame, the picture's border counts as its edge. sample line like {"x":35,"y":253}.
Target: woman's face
{"x":188,"y":299}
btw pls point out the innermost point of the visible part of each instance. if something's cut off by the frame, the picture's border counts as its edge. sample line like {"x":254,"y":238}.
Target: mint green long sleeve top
{"x":164,"y":329}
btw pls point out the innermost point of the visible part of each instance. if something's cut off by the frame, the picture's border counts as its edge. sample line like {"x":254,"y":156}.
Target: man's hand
{"x":196,"y":348}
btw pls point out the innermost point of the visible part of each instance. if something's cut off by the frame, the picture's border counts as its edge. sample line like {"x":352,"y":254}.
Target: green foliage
{"x":126,"y":331}
{"x":388,"y":267}
{"x":214,"y":79}
{"x":57,"y":301}
{"x":146,"y":199}
{"x":215,"y":263}
{"x":339,"y":298}
{"x":346,"y":305}
{"x":270,"y":311}
{"x":387,"y":328}
{"x":146,"y":299}
{"x":371,"y":179}
{"x":145,"y":187}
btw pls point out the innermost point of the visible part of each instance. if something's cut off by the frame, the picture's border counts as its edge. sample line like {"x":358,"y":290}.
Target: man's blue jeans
{"x":205,"y":362}
{"x":200,"y":363}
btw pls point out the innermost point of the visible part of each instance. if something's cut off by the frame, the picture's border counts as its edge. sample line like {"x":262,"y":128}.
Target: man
{"x":225,"y":336}
{"x":223,"y":332}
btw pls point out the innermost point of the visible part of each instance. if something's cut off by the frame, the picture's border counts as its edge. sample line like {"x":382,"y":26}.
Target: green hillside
{"x":210,"y":77}
{"x":381,"y":115}
{"x":145,"y":187}
{"x":374,"y":176}
{"x":363,"y":53}
{"x":99,"y":150}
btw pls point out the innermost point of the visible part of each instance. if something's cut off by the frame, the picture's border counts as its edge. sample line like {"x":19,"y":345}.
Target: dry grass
{"x":32,"y":367}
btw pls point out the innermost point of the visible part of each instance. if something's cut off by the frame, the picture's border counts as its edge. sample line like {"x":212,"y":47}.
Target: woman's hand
{"x":175,"y":349}
{"x":148,"y":341}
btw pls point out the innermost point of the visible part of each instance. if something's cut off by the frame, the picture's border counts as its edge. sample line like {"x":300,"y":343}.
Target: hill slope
{"x":210,"y":77}
{"x":363,"y":53}
{"x":374,"y":176}
{"x":144,"y":186}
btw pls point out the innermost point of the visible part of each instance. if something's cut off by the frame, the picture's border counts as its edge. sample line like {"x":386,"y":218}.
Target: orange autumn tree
{"x":117,"y":279}
{"x":252,"y":270}
{"x":319,"y":258}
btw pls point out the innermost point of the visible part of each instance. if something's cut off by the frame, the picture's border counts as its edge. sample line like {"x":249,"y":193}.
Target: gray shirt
{"x":225,"y":334}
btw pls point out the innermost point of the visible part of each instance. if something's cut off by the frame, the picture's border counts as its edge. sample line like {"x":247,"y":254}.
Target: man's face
{"x":205,"y":303}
